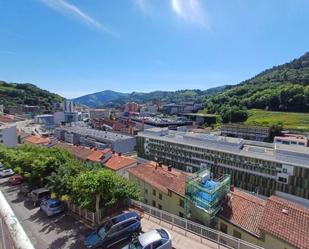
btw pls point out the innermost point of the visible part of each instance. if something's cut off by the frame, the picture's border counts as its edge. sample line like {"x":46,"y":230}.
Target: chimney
{"x":232,"y":188}
{"x":169,"y":168}
{"x":160,"y":164}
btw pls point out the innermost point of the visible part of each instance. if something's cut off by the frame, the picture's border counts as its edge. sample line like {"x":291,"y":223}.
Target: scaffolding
{"x":205,"y":192}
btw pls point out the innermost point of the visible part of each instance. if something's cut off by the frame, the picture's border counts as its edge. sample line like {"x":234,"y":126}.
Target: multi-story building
{"x":46,"y":120}
{"x":68,"y":106}
{"x":95,"y":138}
{"x":99,"y":113}
{"x":8,"y":135}
{"x":131,"y":107}
{"x":265,"y":170}
{"x":257,"y":133}
{"x":292,"y":140}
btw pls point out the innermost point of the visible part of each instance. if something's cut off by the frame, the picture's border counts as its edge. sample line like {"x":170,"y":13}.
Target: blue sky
{"x":74,"y":47}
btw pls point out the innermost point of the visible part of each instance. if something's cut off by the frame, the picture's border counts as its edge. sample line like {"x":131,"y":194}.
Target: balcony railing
{"x":202,"y":231}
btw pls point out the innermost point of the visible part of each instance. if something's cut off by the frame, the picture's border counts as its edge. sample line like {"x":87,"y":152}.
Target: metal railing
{"x":189,"y":226}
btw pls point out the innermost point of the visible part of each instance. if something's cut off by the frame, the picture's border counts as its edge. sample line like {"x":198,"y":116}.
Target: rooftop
{"x":98,"y":134}
{"x":161,"y":178}
{"x":119,"y":162}
{"x":37,"y":140}
{"x":84,"y":153}
{"x":287,"y":221}
{"x":244,"y":210}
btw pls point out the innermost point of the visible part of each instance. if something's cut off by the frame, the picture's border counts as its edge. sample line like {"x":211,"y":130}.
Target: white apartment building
{"x":8,"y":135}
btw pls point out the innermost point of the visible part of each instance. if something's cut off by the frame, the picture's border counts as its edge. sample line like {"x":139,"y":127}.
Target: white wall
{"x":8,"y":136}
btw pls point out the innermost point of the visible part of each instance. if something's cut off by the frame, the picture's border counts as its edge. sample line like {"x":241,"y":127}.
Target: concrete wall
{"x":124,"y":145}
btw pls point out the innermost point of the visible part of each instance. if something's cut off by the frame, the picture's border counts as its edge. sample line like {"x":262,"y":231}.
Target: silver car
{"x":154,"y":239}
{"x":6,"y":173}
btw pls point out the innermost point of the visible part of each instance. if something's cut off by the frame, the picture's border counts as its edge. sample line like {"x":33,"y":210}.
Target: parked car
{"x":114,"y":230}
{"x":26,"y":189}
{"x":15,"y":180}
{"x":154,"y":239}
{"x":51,"y":207}
{"x":38,"y":195}
{"x":6,"y":173}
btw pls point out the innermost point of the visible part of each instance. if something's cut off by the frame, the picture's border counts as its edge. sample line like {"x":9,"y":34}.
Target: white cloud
{"x":69,"y":9}
{"x":190,"y":11}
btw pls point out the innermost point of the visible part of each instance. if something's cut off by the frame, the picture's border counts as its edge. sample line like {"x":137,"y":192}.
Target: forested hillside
{"x":109,"y":98}
{"x":281,"y":88}
{"x":12,"y":94}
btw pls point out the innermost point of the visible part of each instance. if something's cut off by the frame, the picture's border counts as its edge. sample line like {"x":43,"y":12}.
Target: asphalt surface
{"x":58,"y":232}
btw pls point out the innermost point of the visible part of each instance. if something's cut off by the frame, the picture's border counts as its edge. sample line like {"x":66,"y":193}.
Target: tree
{"x":95,"y":189}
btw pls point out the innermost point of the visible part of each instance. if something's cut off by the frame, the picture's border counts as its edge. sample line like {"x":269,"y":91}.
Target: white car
{"x":6,"y":173}
{"x":154,"y":239}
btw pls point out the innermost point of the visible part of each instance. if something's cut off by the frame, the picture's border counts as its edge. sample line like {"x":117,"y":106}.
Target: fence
{"x":202,"y":231}
{"x":83,"y":213}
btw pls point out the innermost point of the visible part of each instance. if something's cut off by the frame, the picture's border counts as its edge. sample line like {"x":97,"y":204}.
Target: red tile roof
{"x":161,"y":178}
{"x":287,"y":221}
{"x":37,"y":140}
{"x":117,"y":162}
{"x":244,"y":210}
{"x":79,"y":151}
{"x":96,"y":156}
{"x":7,"y":118}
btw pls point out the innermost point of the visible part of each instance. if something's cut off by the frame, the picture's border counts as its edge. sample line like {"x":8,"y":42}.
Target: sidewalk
{"x":181,"y":239}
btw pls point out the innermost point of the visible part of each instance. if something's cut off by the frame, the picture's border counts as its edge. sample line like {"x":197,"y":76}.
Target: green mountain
{"x":281,"y":88}
{"x":109,"y":98}
{"x":12,"y":94}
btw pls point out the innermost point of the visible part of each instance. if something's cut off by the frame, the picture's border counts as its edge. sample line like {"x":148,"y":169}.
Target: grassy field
{"x":290,"y":120}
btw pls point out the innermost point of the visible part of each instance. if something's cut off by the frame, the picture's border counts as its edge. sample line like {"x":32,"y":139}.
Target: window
{"x":146,"y":201}
{"x":154,"y":192}
{"x":236,"y":234}
{"x":285,"y":171}
{"x":154,"y":203}
{"x":159,"y":206}
{"x":181,"y":214}
{"x":181,"y":203}
{"x":160,"y":196}
{"x":146,"y":191}
{"x":223,"y":227}
{"x":282,"y":179}
{"x":156,"y":244}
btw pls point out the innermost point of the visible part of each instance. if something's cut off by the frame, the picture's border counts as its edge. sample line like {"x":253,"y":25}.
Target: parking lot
{"x":61,"y":231}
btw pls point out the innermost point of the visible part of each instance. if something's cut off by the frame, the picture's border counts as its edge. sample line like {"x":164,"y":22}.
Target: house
{"x":160,"y":186}
{"x":271,"y":223}
{"x":120,"y":164}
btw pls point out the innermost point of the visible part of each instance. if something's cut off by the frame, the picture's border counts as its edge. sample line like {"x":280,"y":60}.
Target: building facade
{"x":257,"y":133}
{"x":263,"y":170}
{"x":8,"y":135}
{"x":131,"y":107}
{"x":95,"y":138}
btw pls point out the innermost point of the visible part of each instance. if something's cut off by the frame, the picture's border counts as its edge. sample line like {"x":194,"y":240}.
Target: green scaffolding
{"x":207,"y":196}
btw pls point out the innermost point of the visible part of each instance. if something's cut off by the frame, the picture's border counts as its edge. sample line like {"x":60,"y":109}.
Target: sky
{"x":76,"y":47}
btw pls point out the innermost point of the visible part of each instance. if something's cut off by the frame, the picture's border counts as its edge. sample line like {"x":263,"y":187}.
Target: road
{"x":61,"y":231}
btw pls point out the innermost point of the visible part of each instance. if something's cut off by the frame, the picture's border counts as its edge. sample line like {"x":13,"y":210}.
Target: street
{"x":59,"y":232}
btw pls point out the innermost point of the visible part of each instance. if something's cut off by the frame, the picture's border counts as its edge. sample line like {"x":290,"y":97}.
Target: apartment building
{"x":257,"y":133}
{"x":8,"y":135}
{"x":267,"y":170}
{"x":131,"y":107}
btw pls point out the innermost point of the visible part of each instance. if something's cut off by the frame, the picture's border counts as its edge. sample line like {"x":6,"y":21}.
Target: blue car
{"x":119,"y":228}
{"x":51,"y":207}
